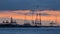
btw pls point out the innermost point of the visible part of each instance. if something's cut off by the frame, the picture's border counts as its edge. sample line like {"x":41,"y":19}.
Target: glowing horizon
{"x":20,"y":14}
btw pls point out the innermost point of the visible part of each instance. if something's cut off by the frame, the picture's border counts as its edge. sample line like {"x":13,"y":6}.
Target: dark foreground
{"x":30,"y":30}
{"x":23,"y":26}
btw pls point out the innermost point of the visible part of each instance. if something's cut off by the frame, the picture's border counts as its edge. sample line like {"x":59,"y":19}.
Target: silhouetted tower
{"x":11,"y":21}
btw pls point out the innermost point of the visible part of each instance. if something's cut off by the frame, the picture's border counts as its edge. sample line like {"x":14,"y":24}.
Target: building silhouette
{"x":27,"y":24}
{"x":11,"y":21}
{"x":52,"y":23}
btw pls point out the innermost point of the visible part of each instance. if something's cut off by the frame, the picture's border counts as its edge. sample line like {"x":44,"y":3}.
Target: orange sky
{"x":19,"y":14}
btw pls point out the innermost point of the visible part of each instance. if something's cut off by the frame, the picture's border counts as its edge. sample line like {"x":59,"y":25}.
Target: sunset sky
{"x":49,"y":10}
{"x":47,"y":16}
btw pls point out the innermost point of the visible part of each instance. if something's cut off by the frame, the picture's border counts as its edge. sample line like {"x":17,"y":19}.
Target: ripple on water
{"x":30,"y":30}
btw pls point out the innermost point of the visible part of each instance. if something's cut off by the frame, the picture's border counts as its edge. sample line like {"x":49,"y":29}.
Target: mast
{"x":40,"y":18}
{"x":36,"y":19}
{"x":37,"y":14}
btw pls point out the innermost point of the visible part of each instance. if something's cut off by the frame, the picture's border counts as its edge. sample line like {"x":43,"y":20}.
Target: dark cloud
{"x":29,"y":4}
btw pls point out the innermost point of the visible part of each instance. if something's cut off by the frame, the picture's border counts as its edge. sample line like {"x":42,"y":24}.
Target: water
{"x":30,"y":30}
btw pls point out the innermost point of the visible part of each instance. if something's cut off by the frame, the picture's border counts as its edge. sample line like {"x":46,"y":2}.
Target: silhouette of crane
{"x":38,"y":14}
{"x":32,"y":18}
{"x":40,"y":19}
